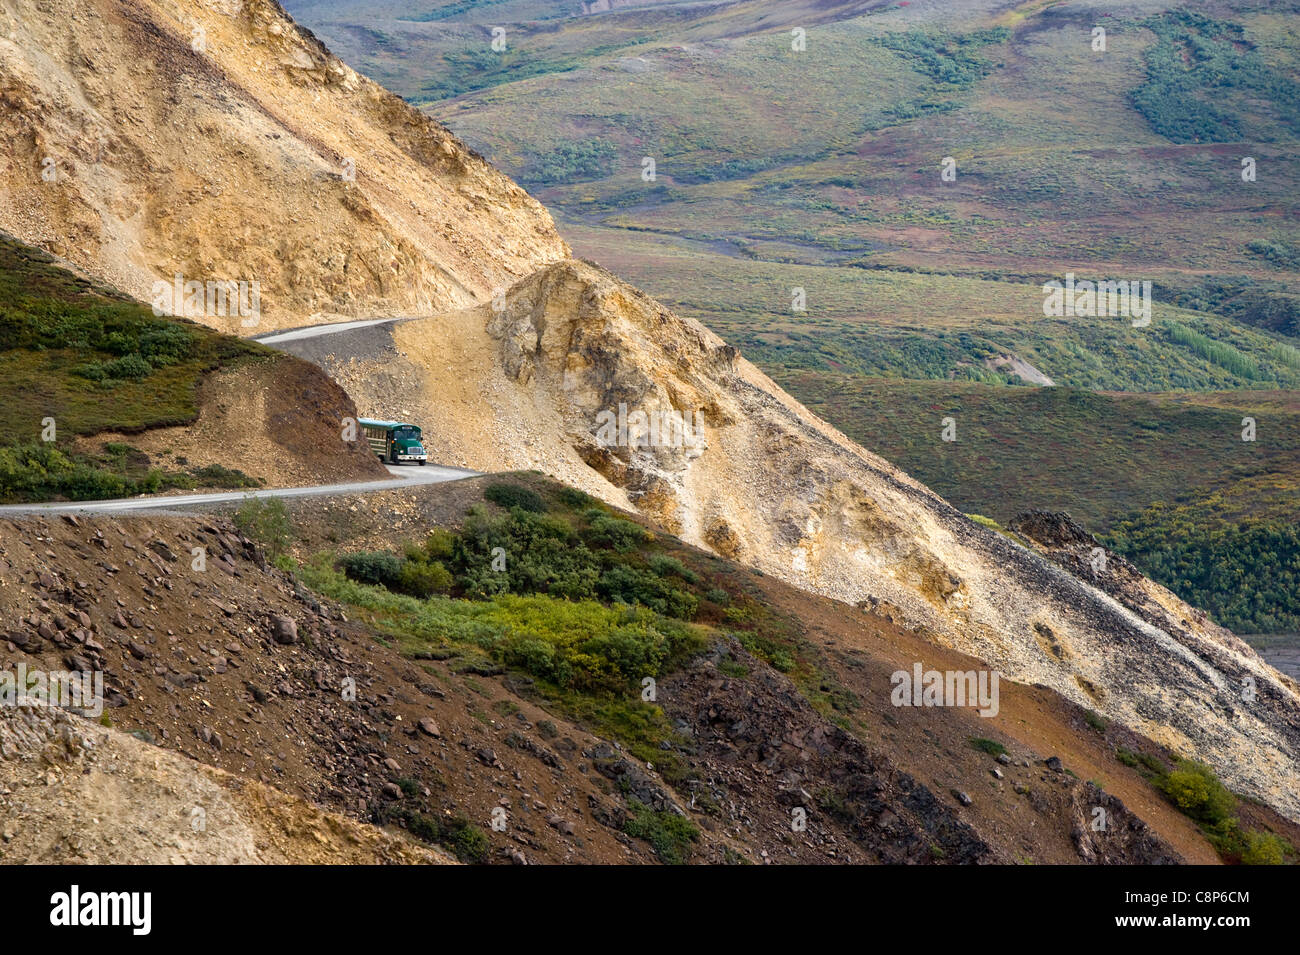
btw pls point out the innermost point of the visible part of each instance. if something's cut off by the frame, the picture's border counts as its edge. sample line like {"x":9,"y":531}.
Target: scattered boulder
{"x":560,"y":824}
{"x":284,"y":629}
{"x":23,"y":640}
{"x":162,"y":550}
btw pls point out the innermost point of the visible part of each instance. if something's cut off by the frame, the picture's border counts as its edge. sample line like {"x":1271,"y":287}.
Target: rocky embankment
{"x":310,"y":724}
{"x":72,"y":792}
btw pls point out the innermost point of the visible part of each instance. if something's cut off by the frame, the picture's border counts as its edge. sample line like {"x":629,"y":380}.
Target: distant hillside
{"x":1165,"y":479}
{"x":1066,"y":157}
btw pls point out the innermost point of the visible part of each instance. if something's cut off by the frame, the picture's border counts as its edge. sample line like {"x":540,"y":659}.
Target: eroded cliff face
{"x":217,"y":140}
{"x":768,"y":483}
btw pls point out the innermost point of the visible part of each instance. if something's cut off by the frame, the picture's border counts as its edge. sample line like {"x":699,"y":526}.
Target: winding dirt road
{"x":406,"y":476}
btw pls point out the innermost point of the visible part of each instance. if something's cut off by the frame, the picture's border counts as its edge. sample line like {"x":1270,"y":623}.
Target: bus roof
{"x":375,"y":423}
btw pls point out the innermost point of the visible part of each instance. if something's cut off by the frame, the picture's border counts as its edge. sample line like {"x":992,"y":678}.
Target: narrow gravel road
{"x":315,"y":331}
{"x":407,"y":476}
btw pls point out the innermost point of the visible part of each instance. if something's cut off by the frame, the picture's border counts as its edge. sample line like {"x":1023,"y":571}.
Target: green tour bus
{"x":394,"y":441}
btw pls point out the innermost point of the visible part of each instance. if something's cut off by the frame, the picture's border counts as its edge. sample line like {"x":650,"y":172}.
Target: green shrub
{"x":372,"y":567}
{"x":669,"y":834}
{"x":953,"y":59}
{"x":543,"y":554}
{"x":39,"y":470}
{"x":614,"y":533}
{"x":1204,"y":79}
{"x":266,"y":521}
{"x":1263,"y":848}
{"x":127,"y":368}
{"x":1221,"y":353}
{"x":515,"y":495}
{"x":628,"y":584}
{"x":571,"y":644}
{"x":571,"y":162}
{"x":990,"y":746}
{"x":541,"y":551}
{"x":165,"y":344}
{"x":1245,"y":573}
{"x":218,"y":475}
{"x":580,"y":643}
{"x":767,"y":649}
{"x":420,"y":579}
{"x":439,"y":545}
{"x":462,"y":837}
{"x":423,"y":827}
{"x":465,"y":839}
{"x":575,"y":499}
{"x":1148,"y":765}
{"x":666,"y":566}
{"x":1197,"y":792}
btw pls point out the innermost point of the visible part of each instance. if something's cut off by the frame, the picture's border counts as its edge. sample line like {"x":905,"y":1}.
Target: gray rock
{"x":284,"y":629}
{"x":162,"y":550}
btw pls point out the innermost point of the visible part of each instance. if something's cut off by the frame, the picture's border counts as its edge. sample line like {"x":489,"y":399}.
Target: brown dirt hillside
{"x":218,"y":140}
{"x":773,"y":486}
{"x":72,"y":792}
{"x":202,"y":664}
{"x":858,"y":651}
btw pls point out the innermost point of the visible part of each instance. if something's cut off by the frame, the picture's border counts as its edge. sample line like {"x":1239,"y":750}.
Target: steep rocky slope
{"x":205,"y":666}
{"x":216,"y":140}
{"x":773,"y":486}
{"x":72,"y":792}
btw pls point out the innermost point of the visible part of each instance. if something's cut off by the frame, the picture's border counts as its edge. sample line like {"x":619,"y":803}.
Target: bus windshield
{"x":407,"y":431}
